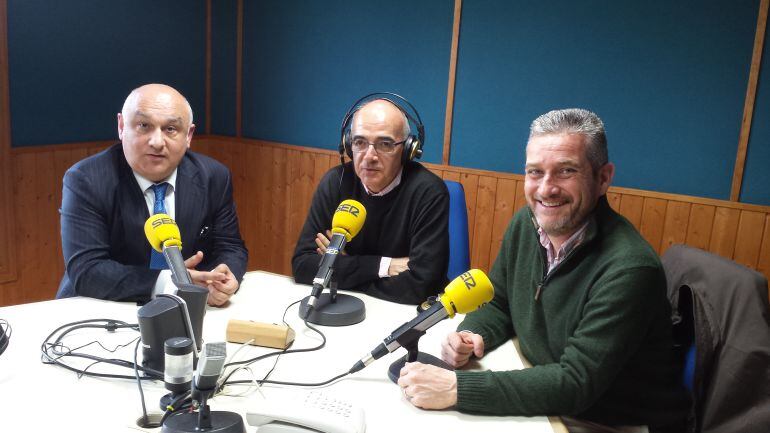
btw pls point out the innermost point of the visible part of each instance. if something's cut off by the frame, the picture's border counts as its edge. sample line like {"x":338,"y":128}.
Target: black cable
{"x":227,"y":381}
{"x":277,"y":382}
{"x":267,"y":355}
{"x":172,"y":407}
{"x":275,"y":363}
{"x":53,"y":351}
{"x":145,"y":420}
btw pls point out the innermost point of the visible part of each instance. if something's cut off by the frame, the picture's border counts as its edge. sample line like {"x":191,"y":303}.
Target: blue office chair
{"x":459,"y":252}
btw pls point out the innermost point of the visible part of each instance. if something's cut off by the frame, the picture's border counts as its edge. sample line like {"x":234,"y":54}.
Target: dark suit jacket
{"x":103,"y":211}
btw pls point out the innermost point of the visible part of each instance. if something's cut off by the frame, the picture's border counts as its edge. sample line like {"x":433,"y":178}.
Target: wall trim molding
{"x":450,"y":93}
{"x":748,"y":105}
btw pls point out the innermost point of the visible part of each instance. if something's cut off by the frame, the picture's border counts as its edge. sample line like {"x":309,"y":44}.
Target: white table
{"x":38,"y":397}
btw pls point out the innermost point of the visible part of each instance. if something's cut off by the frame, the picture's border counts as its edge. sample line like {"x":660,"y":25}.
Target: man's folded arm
{"x":428,"y":258}
{"x":612,"y":329}
{"x":493,"y":321}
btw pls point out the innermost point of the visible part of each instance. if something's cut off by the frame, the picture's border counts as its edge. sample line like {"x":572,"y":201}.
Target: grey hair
{"x":576,"y":121}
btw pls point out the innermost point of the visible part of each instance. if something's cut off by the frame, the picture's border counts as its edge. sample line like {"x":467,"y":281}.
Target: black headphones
{"x":412,"y":145}
{"x":5,"y":335}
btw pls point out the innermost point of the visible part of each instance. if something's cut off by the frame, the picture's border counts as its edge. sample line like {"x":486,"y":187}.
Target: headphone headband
{"x":412,"y":145}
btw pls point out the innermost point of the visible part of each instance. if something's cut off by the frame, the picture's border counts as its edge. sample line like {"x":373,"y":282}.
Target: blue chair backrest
{"x":459,"y":252}
{"x":689,"y":368}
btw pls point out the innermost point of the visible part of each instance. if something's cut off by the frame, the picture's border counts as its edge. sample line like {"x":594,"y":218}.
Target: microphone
{"x":210,"y":366}
{"x":466,"y":293}
{"x":346,"y":223}
{"x":204,"y":385}
{"x":163,"y":234}
{"x":178,"y":368}
{"x":177,"y":373}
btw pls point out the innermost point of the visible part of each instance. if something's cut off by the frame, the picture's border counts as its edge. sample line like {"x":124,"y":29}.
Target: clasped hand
{"x":220,"y":281}
{"x":397,"y":264}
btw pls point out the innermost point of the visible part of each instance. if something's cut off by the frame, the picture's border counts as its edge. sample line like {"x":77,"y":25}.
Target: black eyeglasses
{"x":384,"y":147}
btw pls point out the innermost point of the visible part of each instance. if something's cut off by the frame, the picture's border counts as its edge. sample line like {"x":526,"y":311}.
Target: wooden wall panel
{"x":274,"y":183}
{"x":521,"y":199}
{"x":482,"y":229}
{"x":452,"y":175}
{"x":614,"y":200}
{"x":470,"y":182}
{"x":653,"y":218}
{"x":749,"y":238}
{"x":632,"y":207}
{"x":699,"y":226}
{"x":251,"y":227}
{"x":763,"y":264}
{"x":723,"y":231}
{"x":675,"y":225}
{"x":505,"y":202}
{"x":8,"y":231}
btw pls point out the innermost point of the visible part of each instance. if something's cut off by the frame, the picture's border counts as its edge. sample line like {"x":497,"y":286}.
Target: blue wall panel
{"x":224,"y":44}
{"x":668,"y":78}
{"x":72,"y":63}
{"x":305,"y":63}
{"x":756,"y":177}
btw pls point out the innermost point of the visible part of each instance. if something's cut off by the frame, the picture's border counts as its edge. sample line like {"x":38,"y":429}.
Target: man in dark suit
{"x":108,"y":197}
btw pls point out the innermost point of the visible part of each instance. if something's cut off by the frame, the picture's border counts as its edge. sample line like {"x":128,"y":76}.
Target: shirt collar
{"x":389,"y":188}
{"x":567,"y":246}
{"x":145,"y":184}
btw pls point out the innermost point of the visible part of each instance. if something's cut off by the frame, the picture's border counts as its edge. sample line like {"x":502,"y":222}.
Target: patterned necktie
{"x":157,"y":261}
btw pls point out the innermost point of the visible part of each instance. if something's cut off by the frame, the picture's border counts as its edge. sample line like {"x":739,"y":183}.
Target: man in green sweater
{"x":584,"y":293}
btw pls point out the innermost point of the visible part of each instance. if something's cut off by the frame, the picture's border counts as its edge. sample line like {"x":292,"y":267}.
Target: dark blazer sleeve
{"x":222,"y":242}
{"x":86,"y":217}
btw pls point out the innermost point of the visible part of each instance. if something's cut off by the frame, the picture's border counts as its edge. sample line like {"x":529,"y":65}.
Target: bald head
{"x":157,"y":95}
{"x":381,"y":112}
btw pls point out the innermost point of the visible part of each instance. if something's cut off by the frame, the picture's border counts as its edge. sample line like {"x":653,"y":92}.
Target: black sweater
{"x":411,"y":220}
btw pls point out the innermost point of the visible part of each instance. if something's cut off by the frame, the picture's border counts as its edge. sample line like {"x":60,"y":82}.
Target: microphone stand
{"x":204,"y":421}
{"x":332,"y":308}
{"x":409,"y":340}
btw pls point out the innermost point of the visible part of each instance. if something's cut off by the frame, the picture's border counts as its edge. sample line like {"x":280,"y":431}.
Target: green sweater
{"x":599,"y":336}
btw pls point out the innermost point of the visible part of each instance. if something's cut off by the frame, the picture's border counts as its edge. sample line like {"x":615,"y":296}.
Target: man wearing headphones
{"x":401,"y":253}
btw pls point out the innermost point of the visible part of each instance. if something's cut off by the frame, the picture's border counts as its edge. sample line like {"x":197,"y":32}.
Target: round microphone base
{"x":187,"y":422}
{"x":394,"y":371}
{"x":345,"y":310}
{"x":167,"y":399}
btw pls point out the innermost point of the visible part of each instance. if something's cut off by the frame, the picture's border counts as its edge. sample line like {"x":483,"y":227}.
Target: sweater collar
{"x":601,"y":208}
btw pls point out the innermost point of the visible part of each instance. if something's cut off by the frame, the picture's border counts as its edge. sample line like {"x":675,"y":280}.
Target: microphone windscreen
{"x":466,"y":293}
{"x":161,"y":230}
{"x":348,"y":219}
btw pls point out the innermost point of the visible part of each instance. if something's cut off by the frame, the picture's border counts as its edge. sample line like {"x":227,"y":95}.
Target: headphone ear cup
{"x":416,"y":148}
{"x":411,"y":149}
{"x":345,"y":146}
